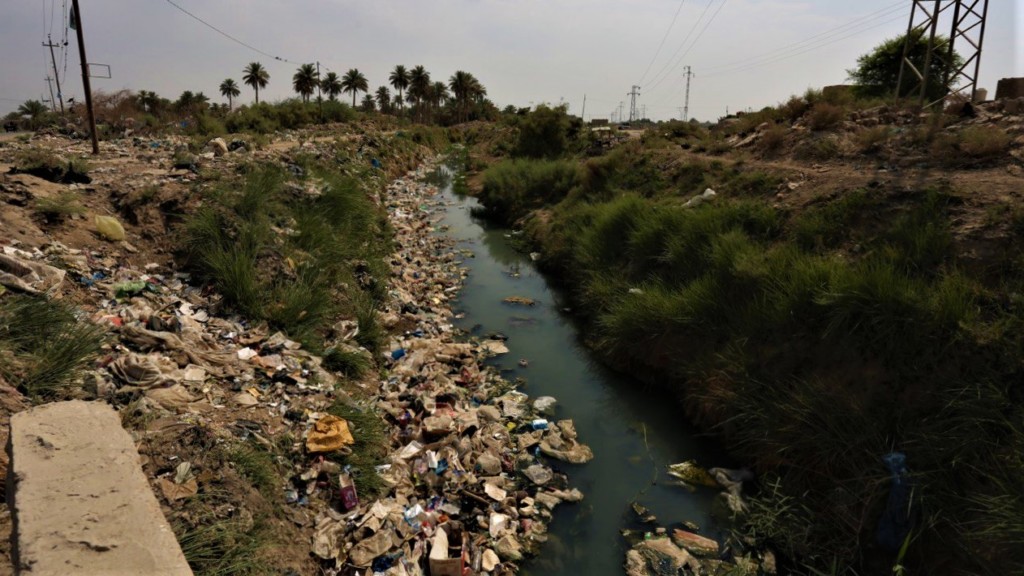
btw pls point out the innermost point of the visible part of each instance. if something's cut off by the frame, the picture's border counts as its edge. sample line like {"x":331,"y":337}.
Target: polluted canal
{"x":635,"y":432}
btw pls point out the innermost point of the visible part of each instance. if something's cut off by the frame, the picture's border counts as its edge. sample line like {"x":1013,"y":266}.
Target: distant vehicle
{"x":11,"y":126}
{"x":624,"y":126}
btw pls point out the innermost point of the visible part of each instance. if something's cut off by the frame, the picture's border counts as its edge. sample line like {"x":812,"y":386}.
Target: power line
{"x":772,"y":60}
{"x":659,"y":75}
{"x":663,"y":39}
{"x":855,"y":26}
{"x":695,"y":40}
{"x":228,"y":36}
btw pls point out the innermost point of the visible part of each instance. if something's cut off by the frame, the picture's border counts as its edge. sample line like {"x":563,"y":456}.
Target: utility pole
{"x":686,"y":107}
{"x":49,"y":84}
{"x":621,"y":105}
{"x":56,"y":73}
{"x":85,"y":78}
{"x":583,"y":114}
{"x":632,"y":102}
{"x":643,"y":112}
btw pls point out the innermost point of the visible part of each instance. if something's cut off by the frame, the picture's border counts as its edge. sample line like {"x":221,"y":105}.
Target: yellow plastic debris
{"x":329,"y":434}
{"x":109,"y":228}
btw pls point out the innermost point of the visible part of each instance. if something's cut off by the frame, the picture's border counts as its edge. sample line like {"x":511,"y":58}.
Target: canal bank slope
{"x":836,"y":301}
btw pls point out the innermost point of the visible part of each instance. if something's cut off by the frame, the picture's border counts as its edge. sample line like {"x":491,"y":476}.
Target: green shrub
{"x":543,"y":133}
{"x":512,"y":188}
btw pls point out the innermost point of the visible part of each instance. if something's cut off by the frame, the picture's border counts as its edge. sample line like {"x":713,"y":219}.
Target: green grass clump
{"x":48,"y":166}
{"x":292,"y":259}
{"x":226,"y":547}
{"x":43,"y":344}
{"x":59,"y":206}
{"x":827,"y":226}
{"x":256,"y":465}
{"x":352,"y":364}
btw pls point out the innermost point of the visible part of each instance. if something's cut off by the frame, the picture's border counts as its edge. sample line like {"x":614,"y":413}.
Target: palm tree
{"x":383,"y":98}
{"x":399,"y":80}
{"x":439,"y":92}
{"x":419,"y":83}
{"x":32,"y":108}
{"x":229,"y":90}
{"x":256,"y":75}
{"x":148,"y":100}
{"x":368,"y":104}
{"x":354,"y":81}
{"x":331,"y":85}
{"x":305,"y":81}
{"x":462,"y":85}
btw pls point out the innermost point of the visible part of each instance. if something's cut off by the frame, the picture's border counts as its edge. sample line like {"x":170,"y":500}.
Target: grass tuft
{"x":44,"y":344}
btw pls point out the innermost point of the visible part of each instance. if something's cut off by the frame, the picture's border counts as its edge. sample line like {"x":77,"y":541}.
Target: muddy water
{"x":634,"y":431}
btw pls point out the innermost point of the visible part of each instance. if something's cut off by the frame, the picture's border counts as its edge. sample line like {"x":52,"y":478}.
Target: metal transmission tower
{"x":967,"y":30}
{"x":686,"y":107}
{"x":632,"y":102}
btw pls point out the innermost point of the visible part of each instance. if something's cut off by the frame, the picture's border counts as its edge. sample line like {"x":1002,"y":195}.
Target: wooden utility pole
{"x":56,"y":74}
{"x":85,"y":78}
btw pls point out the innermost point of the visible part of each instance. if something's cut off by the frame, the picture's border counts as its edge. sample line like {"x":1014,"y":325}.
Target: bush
{"x":543,"y":133}
{"x":512,"y":188}
{"x":772,"y":140}
{"x":872,"y":139}
{"x":825,"y":116}
{"x":984,"y":142}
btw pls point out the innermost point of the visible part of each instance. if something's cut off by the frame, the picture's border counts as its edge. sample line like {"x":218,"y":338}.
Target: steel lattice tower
{"x":966,"y":19}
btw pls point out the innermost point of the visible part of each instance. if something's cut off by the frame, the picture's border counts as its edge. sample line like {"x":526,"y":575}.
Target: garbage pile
{"x":468,"y":487}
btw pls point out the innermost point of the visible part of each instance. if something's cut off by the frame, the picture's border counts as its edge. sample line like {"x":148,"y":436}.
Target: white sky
{"x":524,"y":51}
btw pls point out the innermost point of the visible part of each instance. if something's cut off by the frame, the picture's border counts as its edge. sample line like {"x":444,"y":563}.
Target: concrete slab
{"x":80,"y":502}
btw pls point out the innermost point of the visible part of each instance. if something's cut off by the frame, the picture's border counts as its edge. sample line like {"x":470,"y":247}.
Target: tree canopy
{"x":305,"y":81}
{"x":878,"y":71}
{"x":256,"y":75}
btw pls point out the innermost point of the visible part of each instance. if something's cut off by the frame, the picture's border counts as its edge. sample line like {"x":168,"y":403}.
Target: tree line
{"x":463,"y":97}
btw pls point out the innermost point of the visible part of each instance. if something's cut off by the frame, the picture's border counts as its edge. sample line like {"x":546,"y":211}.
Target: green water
{"x":634,"y":431}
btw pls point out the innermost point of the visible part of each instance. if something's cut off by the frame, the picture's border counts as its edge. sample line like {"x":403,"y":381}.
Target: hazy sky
{"x":751,"y":54}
